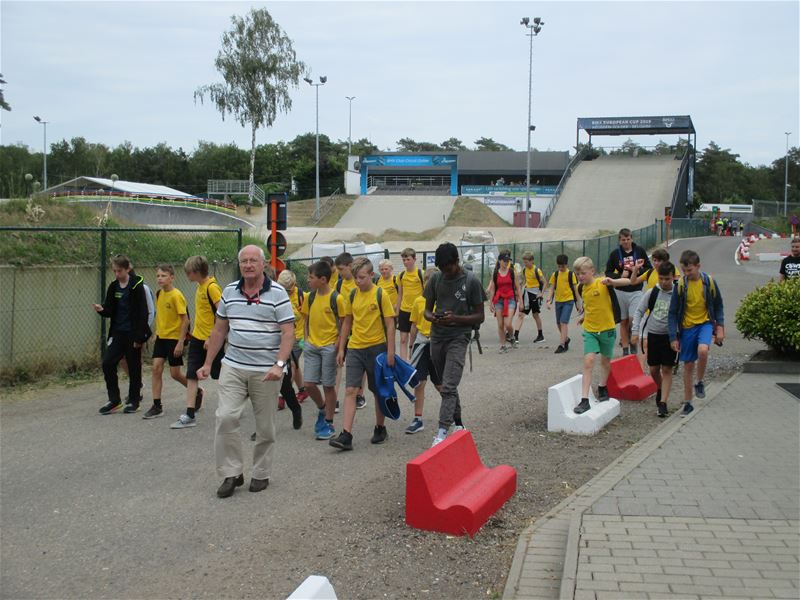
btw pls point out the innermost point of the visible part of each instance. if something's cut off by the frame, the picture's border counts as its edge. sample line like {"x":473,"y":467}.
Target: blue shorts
{"x":691,"y":338}
{"x":564,"y":311}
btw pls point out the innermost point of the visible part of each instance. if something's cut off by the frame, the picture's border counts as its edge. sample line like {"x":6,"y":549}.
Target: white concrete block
{"x":563,"y":397}
{"x":315,"y":587}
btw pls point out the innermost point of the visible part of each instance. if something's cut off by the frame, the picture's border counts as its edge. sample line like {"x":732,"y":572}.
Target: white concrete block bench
{"x":563,"y":397}
{"x":315,"y":587}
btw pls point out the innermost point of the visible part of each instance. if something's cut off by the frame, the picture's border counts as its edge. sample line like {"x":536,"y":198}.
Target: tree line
{"x":720,"y":174}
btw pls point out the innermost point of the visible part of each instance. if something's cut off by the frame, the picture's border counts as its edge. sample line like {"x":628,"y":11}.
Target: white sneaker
{"x":183,"y":422}
{"x":459,"y":428}
{"x":437,"y":440}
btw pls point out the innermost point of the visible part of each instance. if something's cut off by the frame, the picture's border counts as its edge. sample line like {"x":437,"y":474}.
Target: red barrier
{"x":448,"y":489}
{"x":627,"y":382}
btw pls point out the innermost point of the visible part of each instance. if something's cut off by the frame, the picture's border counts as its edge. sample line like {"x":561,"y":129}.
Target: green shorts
{"x":600,"y":343}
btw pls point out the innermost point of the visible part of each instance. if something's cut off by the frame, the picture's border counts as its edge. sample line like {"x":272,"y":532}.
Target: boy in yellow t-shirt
{"x":562,"y":289}
{"x":322,"y":312}
{"x":420,"y":336}
{"x":600,"y":314}
{"x":534,"y":288}
{"x":172,"y":326}
{"x":370,"y":318}
{"x":206,"y":299}
{"x":345,"y":284}
{"x":387,"y":280}
{"x":650,"y":276}
{"x":696,"y":318}
{"x":410,"y":285}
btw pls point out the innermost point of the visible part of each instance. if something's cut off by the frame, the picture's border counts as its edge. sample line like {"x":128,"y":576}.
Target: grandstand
{"x":610,"y":190}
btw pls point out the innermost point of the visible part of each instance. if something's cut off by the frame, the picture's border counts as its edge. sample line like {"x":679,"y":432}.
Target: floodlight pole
{"x":322,"y":81}
{"x":534,"y":29}
{"x":786,"y":174}
{"x":350,"y":126}
{"x":44,"y":149}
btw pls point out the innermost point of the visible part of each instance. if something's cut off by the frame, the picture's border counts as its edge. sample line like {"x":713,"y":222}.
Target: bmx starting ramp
{"x":376,"y":214}
{"x":611,"y":192}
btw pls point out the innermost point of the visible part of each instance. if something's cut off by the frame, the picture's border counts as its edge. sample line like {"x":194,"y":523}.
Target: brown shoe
{"x":229,"y":485}
{"x":258,"y":485}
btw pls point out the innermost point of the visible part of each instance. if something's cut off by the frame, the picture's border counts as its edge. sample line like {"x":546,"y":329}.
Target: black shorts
{"x":404,"y":321}
{"x":195,"y":358}
{"x":164,"y":349}
{"x":534,"y":304}
{"x":425,"y":368}
{"x":659,"y":352}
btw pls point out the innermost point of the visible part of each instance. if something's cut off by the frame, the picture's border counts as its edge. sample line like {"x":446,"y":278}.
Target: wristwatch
{"x":281,"y":363}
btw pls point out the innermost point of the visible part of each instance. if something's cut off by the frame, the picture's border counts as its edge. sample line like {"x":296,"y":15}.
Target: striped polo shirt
{"x":254,"y":334}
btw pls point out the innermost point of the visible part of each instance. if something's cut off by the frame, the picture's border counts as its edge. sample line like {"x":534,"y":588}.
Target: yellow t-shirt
{"x":389,"y":287}
{"x":298,"y":299}
{"x":652,"y":278}
{"x":530,"y":276}
{"x":418,"y":317}
{"x":367,"y":327}
{"x":411,"y":285}
{"x":169,"y":308}
{"x":696,"y":311}
{"x":322,"y":329}
{"x":563,"y":290}
{"x":348,"y":285}
{"x":598,"y":313}
{"x":203,"y":311}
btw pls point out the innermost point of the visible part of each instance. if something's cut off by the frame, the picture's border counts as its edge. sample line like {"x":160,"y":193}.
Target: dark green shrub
{"x":772,"y":314}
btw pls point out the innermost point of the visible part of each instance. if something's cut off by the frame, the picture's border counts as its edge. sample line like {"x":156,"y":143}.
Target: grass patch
{"x":395,"y":235}
{"x":36,"y":376}
{"x":776,"y":224}
{"x":468,"y":212}
{"x":301,"y":212}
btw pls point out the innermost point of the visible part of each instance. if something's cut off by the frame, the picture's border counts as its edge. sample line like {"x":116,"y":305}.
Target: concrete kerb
{"x":573,"y":507}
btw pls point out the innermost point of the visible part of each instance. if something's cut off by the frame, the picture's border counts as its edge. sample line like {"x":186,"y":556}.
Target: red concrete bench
{"x":448,"y":489}
{"x":626,"y":380}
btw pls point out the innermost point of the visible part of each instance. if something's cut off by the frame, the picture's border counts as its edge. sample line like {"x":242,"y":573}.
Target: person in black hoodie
{"x":126,"y":306}
{"x":626,"y":261}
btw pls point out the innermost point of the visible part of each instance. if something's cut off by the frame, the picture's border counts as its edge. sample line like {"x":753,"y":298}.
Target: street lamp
{"x":533,"y":30}
{"x":44,"y":149}
{"x":322,"y":81}
{"x":786,"y":173}
{"x":350,"y":125}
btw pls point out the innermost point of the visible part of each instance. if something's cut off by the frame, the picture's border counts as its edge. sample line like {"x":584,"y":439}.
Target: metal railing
{"x":162,"y":200}
{"x":682,"y":172}
{"x":236,"y":187}
{"x":573,"y":164}
{"x":326,"y":206}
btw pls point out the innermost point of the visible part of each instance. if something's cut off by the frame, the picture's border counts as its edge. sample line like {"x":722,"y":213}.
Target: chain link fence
{"x":50,"y":277}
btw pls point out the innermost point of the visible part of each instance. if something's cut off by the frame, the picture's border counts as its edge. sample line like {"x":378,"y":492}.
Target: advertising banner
{"x":630,"y":125}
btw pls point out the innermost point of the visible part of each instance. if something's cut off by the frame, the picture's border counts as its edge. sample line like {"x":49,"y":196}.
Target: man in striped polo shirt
{"x":256,"y":315}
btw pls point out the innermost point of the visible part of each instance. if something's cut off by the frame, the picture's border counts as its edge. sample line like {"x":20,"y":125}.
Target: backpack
{"x":615,"y":310}
{"x":211,"y":302}
{"x":651,"y":303}
{"x":571,"y":279}
{"x":419,"y":274}
{"x":151,"y":305}
{"x":708,"y":282}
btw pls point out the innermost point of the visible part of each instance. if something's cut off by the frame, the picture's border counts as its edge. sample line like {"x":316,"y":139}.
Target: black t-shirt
{"x":460,"y":295}
{"x":790,"y":267}
{"x":620,"y":261}
{"x":122,"y":319}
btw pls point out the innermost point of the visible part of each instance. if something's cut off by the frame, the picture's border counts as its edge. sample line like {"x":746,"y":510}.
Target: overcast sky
{"x":115,"y":71}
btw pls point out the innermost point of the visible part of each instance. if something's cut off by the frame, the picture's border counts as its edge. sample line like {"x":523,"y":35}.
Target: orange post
{"x":273,"y":238}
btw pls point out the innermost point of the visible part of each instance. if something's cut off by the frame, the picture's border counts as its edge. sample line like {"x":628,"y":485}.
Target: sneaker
{"x":361,"y":402}
{"x":297,"y":418}
{"x":336,"y":410}
{"x":438,"y":439}
{"x":560,"y":349}
{"x":326,"y":432}
{"x":301,"y":396}
{"x":344,"y":441}
{"x":459,"y":428}
{"x":320,"y":422}
{"x":131,"y":408}
{"x":183,"y":422}
{"x":416,"y":426}
{"x":198,"y":399}
{"x":503,"y":349}
{"x":700,"y":389}
{"x":515,"y":344}
{"x":539,"y":338}
{"x":379,"y":435}
{"x":687,"y":409}
{"x":662,"y":410}
{"x":602,"y":393}
{"x":155,"y":411}
{"x":566,"y":344}
{"x":281,"y":403}
{"x":582,"y":407}
{"x":110,"y":408}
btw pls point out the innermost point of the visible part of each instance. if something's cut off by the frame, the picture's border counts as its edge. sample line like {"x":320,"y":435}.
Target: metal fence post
{"x":103,"y":251}
{"x":424,"y":260}
{"x":386,"y":254}
{"x":483,"y":261}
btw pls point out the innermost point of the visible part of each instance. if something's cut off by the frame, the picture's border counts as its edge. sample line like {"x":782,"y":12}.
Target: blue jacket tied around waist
{"x":402,"y":374}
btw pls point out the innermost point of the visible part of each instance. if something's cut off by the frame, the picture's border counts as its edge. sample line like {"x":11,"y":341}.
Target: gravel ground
{"x":118,"y":507}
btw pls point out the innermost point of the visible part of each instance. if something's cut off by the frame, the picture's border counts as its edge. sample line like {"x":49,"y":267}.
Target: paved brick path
{"x":707,"y":506}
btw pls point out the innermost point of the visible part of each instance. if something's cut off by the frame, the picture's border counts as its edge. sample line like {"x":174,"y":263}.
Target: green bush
{"x":771,"y":314}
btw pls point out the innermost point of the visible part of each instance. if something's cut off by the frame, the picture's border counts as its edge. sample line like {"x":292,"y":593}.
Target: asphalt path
{"x":120,"y":507}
